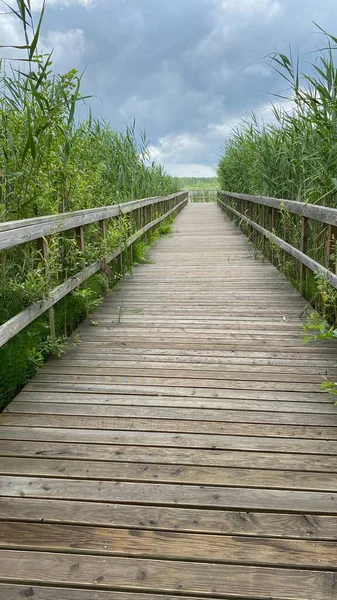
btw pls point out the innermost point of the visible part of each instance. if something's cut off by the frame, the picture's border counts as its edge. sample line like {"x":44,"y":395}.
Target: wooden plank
{"x":184,"y":414}
{"x":206,"y":394}
{"x":168,"y":494}
{"x":206,"y":358}
{"x":167,"y":576}
{"x":222,"y":374}
{"x":147,"y":472}
{"x":267,"y":524}
{"x":244,"y":402}
{"x":169,"y":545}
{"x":42,"y":592}
{"x":202,"y":383}
{"x":8,"y":419}
{"x":228,"y":346}
{"x":168,"y":455}
{"x":176,"y":440}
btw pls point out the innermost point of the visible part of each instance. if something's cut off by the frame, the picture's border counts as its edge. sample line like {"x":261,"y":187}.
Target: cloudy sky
{"x":186,"y":70}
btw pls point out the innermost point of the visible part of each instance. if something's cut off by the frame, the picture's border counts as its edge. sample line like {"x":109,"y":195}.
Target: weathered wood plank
{"x":222,"y":374}
{"x":205,"y":393}
{"x":186,"y":474}
{"x":245,"y":401}
{"x":290,"y":526}
{"x":167,"y":576}
{"x":8,"y":419}
{"x":145,"y":411}
{"x":168,"y":545}
{"x":153,"y":381}
{"x":41,"y":592}
{"x":168,"y":455}
{"x":168,"y":494}
{"x":175,"y":440}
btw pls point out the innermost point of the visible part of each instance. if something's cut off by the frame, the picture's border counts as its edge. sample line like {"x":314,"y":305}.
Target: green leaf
{"x":37,"y":33}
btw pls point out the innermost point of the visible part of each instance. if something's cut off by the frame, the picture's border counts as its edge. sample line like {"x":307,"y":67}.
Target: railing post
{"x":79,"y":236}
{"x":102,"y":229}
{"x":274,"y":216}
{"x":331,"y":248}
{"x":102,"y":226}
{"x":304,"y":247}
{"x":250,"y":216}
{"x":274,"y":219}
{"x":43,"y":248}
{"x":138,"y":217}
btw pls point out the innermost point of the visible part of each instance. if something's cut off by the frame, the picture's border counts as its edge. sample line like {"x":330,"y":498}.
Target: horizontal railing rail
{"x":14,"y":233}
{"x":251,"y":210}
{"x":316,"y":212}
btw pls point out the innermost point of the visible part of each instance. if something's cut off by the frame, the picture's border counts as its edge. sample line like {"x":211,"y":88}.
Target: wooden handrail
{"x":36,"y":229}
{"x":14,"y":233}
{"x":316,"y":212}
{"x":322,"y":214}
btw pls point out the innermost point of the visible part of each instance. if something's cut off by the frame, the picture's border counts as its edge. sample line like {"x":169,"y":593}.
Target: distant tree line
{"x":198,"y":183}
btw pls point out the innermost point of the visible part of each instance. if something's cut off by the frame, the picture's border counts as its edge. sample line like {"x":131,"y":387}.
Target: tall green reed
{"x":294,"y":157}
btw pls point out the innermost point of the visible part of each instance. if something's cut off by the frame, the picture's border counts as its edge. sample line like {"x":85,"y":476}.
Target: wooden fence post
{"x":304,"y":247}
{"x":79,"y":236}
{"x":331,"y":248}
{"x":274,"y":216}
{"x":43,"y":248}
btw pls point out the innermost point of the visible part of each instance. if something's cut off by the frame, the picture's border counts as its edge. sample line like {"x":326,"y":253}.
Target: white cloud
{"x":9,"y":32}
{"x":68,"y":48}
{"x":269,"y":8}
{"x":194,"y":154}
{"x":258,"y":69}
{"x":37,"y":4}
{"x":175,"y":148}
{"x":215,"y":42}
{"x":190,"y":170}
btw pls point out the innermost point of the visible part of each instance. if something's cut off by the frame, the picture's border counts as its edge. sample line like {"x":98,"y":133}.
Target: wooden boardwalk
{"x":184,"y":448}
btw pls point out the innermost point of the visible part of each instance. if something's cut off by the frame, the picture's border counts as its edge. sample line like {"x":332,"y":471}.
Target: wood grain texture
{"x":232,"y":522}
{"x":42,"y":592}
{"x":169,"y":545}
{"x":184,"y":447}
{"x":104,"y":572}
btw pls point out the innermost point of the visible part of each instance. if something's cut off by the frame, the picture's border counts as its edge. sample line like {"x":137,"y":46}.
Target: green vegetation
{"x":295,"y":158}
{"x":51,"y":164}
{"x":197,"y":183}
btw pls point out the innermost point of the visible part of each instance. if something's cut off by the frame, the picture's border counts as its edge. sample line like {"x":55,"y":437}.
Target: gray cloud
{"x":186,"y":70}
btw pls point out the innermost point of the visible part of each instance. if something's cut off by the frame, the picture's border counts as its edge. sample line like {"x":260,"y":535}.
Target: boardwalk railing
{"x":266,"y":217}
{"x":144,"y":215}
